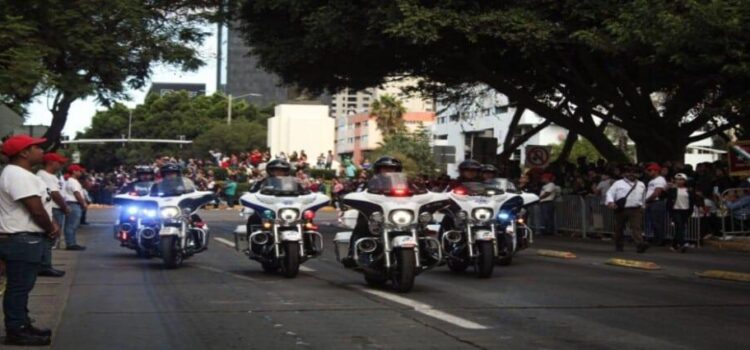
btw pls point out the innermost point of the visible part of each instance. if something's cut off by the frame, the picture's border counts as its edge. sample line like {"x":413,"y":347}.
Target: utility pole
{"x":130,"y":122}
{"x":229,"y":109}
{"x":220,"y":35}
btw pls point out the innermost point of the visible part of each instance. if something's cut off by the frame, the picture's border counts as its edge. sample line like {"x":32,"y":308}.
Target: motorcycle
{"x":285,"y":236}
{"x":126,"y":225}
{"x":513,"y":233}
{"x":398,"y":246}
{"x":167,"y":222}
{"x":472,"y":239}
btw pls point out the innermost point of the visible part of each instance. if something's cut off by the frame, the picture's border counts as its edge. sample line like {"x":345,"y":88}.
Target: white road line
{"x":224,"y":241}
{"x":425,"y":309}
{"x":306,"y":269}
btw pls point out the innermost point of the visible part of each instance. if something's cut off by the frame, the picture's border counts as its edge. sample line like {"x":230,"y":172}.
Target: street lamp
{"x":230,"y":98}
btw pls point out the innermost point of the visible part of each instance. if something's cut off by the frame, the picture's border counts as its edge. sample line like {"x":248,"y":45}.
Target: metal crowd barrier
{"x":587,"y":216}
{"x":734,"y":221}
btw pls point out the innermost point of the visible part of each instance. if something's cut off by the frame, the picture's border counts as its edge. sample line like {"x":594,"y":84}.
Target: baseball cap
{"x":681,"y":176}
{"x":18,"y":143}
{"x":76,"y":167}
{"x":55,"y":157}
{"x":653,"y":166}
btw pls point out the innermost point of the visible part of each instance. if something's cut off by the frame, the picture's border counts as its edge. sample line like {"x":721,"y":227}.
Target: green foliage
{"x":582,"y":148}
{"x":566,"y":60}
{"x":324,"y":173}
{"x":389,"y":113}
{"x":413,"y":150}
{"x":21,"y":68}
{"x":199,"y":118}
{"x":220,"y":174}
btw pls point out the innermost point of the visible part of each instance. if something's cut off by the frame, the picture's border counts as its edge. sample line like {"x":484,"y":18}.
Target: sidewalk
{"x":50,"y":295}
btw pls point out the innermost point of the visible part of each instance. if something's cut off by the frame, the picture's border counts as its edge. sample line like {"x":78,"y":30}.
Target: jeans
{"x":548,"y":217}
{"x":59,"y":218}
{"x":72,"y":221}
{"x":656,"y":220}
{"x":680,"y":219}
{"x":22,"y":254}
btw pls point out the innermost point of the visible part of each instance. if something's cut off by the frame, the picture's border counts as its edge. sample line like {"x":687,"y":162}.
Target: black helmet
{"x":278,"y":164}
{"x":489,"y":168}
{"x":170,"y":168}
{"x":469,"y":165}
{"x":144,"y":170}
{"x":387,"y":162}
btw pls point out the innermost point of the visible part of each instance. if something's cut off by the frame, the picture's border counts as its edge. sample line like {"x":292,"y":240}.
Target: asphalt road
{"x":221,"y":300}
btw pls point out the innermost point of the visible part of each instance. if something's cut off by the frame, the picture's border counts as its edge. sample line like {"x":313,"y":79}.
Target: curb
{"x":728,"y":245}
{"x":555,"y":254}
{"x":633,"y":264}
{"x":725,"y":275}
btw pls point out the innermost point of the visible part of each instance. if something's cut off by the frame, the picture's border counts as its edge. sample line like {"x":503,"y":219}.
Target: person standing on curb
{"x":680,"y":200}
{"x":25,"y":222}
{"x":656,"y":206}
{"x":547,"y":201}
{"x":74,"y":197}
{"x":53,"y":162}
{"x":626,"y":198}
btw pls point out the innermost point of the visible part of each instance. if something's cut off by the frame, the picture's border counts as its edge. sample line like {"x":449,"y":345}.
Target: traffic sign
{"x":537,"y":156}
{"x":739,"y":158}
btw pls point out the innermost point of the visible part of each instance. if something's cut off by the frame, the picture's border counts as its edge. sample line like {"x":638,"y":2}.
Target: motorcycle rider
{"x":274,"y":168}
{"x":489,"y":172}
{"x":144,"y":178}
{"x":468,"y":171}
{"x":383,"y":165}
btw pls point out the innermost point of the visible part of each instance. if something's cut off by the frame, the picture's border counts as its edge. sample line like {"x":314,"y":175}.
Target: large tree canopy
{"x":102,"y":47}
{"x":668,"y":72}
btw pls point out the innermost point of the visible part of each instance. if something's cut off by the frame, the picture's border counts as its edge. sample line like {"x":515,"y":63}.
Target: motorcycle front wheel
{"x":402,"y":278}
{"x":485,"y":262}
{"x":457,"y":265}
{"x":506,"y":252}
{"x":290,"y":260}
{"x":170,"y":252}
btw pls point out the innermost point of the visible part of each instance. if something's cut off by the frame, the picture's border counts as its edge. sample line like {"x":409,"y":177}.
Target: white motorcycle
{"x":280,"y":233}
{"x":397,"y":245}
{"x":514,"y":234}
{"x":166,"y":221}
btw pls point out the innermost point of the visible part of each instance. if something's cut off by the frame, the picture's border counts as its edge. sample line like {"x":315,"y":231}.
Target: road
{"x":221,"y":300}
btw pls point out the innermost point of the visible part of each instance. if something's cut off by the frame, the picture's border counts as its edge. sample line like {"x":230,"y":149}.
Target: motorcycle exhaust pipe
{"x":148,"y":233}
{"x":259,"y":238}
{"x":452,"y":236}
{"x":367,"y":245}
{"x":126,"y":227}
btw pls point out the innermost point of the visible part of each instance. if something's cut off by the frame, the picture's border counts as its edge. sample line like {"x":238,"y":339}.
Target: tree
{"x":667,"y":72}
{"x":169,"y":117}
{"x":21,"y":69}
{"x":389,"y":113}
{"x":580,"y":148}
{"x":100,"y":47}
{"x":413,"y":149}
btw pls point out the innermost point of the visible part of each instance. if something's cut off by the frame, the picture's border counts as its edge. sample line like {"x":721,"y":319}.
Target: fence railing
{"x":734,"y":221}
{"x":587,"y":216}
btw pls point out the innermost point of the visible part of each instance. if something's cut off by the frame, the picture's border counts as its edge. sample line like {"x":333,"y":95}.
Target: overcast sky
{"x":82,"y":111}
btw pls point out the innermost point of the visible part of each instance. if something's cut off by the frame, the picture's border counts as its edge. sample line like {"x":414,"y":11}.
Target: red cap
{"x":18,"y":143}
{"x":75,"y":167}
{"x":55,"y":157}
{"x":548,"y":176}
{"x":653,"y":166}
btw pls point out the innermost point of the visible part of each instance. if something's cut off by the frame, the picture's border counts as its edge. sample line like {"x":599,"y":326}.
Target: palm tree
{"x":389,"y":112}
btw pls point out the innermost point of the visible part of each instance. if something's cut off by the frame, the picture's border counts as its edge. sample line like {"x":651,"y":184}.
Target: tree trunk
{"x":648,"y":150}
{"x":59,"y":117}
{"x":570,"y":141}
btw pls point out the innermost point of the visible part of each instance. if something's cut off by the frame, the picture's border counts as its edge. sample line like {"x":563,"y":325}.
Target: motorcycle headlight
{"x":170,"y":212}
{"x":132,"y":210}
{"x":401,"y":217}
{"x":149,"y":213}
{"x":503,"y":216}
{"x":288,"y":214}
{"x":268,"y":214}
{"x":482,"y":214}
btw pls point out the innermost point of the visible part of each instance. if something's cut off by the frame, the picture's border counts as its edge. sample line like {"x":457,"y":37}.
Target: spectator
{"x":337,"y":190}
{"x":656,"y":208}
{"x":547,"y":201}
{"x":321,"y":163}
{"x":230,"y":190}
{"x":74,"y":196}
{"x":680,"y":200}
{"x":626,"y":198}
{"x":349,"y":169}
{"x":602,"y":187}
{"x":329,"y":160}
{"x":53,"y":162}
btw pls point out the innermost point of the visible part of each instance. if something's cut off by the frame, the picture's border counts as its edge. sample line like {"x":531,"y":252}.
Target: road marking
{"x":725,"y":275}
{"x":555,"y":254}
{"x":306,"y":269}
{"x":634,"y":264}
{"x":224,"y":241}
{"x":232,"y":274}
{"x":425,"y":309}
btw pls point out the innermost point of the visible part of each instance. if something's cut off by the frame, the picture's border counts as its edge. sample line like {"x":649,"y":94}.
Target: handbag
{"x":620,"y":203}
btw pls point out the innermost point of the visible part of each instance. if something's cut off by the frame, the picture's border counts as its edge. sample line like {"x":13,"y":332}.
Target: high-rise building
{"x":193,"y":89}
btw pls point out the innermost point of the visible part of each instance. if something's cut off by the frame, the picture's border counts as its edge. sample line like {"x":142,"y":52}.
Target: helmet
{"x":488,"y":168}
{"x":278,"y":164}
{"x":170,"y":168}
{"x":387,"y":161}
{"x":469,"y":165}
{"x":144,"y":170}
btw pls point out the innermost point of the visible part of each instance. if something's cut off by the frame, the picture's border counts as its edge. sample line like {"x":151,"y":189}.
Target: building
{"x":358,"y":134}
{"x":477,"y":130}
{"x":298,"y":127}
{"x":193,"y":89}
{"x":349,"y":102}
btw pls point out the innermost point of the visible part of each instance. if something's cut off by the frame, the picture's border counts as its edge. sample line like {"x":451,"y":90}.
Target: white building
{"x":488,"y":116}
{"x":348,"y":102}
{"x":297,"y":127}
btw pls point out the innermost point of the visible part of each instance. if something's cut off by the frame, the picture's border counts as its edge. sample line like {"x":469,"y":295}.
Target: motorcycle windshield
{"x":282,"y":186}
{"x":142,"y":188}
{"x":481,"y":189}
{"x":393,"y":184}
{"x":172,"y":187}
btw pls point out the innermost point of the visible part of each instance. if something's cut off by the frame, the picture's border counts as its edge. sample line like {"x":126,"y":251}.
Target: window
{"x":366,"y":105}
{"x":454,"y":117}
{"x":352,"y":98}
{"x":364,"y":123}
{"x":365,"y":98}
{"x":501,"y":109}
{"x":364,"y":139}
{"x":350,"y":140}
{"x":441,"y":137}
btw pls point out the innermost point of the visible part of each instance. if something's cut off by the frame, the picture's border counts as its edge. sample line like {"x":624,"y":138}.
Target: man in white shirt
{"x":631,"y":211}
{"x":53,"y":162}
{"x":547,"y":202}
{"x":25,"y":221}
{"x":656,"y":205}
{"x":74,"y":197}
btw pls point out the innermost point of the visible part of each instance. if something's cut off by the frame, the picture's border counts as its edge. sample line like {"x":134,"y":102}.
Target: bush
{"x":220,"y":174}
{"x":326,"y":174}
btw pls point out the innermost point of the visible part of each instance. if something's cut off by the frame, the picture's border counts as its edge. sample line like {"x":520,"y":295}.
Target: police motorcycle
{"x":286,"y":236}
{"x":168,"y":224}
{"x":513,"y":233}
{"x":472,"y":240}
{"x":398,"y":246}
{"x":126,"y":225}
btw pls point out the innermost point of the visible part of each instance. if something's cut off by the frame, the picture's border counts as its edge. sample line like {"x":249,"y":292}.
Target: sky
{"x":82,"y":111}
